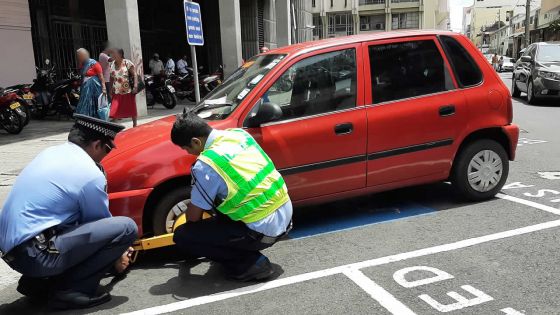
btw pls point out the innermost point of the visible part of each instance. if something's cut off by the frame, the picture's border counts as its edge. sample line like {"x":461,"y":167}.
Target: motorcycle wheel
{"x":12,"y":121}
{"x":169,"y":100}
{"x":150,"y":99}
{"x":26,"y":110}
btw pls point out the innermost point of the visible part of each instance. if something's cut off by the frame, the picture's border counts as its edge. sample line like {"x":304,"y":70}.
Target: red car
{"x":340,"y":118}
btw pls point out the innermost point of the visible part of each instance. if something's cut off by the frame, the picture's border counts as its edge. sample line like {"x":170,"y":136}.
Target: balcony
{"x":368,"y":2}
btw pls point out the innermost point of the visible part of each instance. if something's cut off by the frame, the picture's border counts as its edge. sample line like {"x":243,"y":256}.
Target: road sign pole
{"x":195,"y":73}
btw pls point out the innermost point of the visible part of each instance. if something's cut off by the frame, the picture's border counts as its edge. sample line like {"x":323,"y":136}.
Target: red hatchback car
{"x":340,"y":118}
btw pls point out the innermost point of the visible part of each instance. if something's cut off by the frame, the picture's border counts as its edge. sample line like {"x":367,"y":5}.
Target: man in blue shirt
{"x":56,"y":228}
{"x":232,"y":240}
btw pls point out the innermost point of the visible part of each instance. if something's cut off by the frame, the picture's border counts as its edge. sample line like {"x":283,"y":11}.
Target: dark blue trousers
{"x":86,"y":253}
{"x":222,"y":240}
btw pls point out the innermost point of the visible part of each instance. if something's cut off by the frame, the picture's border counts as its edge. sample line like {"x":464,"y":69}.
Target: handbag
{"x":103,"y":107}
{"x":141,"y":84}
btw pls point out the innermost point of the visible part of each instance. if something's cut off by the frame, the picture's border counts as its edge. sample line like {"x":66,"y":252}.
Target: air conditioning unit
{"x":380,"y":26}
{"x":364,"y":27}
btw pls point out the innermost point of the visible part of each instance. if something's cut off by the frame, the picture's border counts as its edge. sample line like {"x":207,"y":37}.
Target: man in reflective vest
{"x":234,"y":177}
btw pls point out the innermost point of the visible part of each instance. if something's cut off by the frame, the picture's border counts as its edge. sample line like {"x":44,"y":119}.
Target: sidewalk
{"x":16,"y":151}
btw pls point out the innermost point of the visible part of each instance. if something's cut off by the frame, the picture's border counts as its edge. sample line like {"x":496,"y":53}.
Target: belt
{"x":269,"y":240}
{"x":42,"y":241}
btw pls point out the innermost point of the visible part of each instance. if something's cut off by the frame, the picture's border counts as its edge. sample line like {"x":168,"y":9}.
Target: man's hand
{"x":124,"y":261}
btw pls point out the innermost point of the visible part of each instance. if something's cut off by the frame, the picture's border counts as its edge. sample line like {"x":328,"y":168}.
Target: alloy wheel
{"x":485,"y":171}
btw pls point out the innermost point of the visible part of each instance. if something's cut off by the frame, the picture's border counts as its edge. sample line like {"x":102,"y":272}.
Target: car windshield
{"x":549,"y":53}
{"x":225,"y":98}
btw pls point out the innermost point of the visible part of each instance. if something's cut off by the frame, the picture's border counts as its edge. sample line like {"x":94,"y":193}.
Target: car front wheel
{"x":515,"y":92}
{"x":480,"y":170}
{"x":170,"y":206}
{"x":531,"y":92}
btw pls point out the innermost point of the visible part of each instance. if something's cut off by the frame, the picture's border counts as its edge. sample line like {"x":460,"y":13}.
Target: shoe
{"x":261,"y":270}
{"x":65,"y":300}
{"x":35,"y":288}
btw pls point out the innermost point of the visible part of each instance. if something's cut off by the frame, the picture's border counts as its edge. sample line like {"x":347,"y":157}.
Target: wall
{"x":17,"y":63}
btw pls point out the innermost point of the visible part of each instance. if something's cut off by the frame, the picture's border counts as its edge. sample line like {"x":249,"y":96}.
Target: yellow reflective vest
{"x":255,"y":188}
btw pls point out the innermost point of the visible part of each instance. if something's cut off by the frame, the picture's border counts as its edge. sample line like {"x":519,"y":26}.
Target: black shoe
{"x":35,"y":288}
{"x":65,"y":300}
{"x":261,"y":270}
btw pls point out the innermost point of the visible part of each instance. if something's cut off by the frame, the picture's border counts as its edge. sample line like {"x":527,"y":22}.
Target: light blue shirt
{"x":61,"y":186}
{"x":214,"y":186}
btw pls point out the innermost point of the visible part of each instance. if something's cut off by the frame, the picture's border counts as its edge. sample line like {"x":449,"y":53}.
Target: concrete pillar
{"x":283,"y":23}
{"x":17,"y":61}
{"x":123,"y":31}
{"x":230,"y":32}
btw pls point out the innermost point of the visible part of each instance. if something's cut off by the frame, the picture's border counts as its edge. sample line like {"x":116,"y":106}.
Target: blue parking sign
{"x":193,"y":20}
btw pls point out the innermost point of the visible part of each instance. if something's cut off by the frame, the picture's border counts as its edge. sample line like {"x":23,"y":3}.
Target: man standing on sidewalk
{"x":56,"y":228}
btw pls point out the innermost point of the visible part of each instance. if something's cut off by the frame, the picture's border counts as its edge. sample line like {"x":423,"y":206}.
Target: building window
{"x":366,"y":2}
{"x":372,"y":23}
{"x":318,"y":30}
{"x":332,"y":3}
{"x":340,"y":24}
{"x":313,"y":3}
{"x":401,"y":1}
{"x":405,"y":20}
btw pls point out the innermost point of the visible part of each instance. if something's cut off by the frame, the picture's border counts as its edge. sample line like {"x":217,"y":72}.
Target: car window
{"x":407,"y":69}
{"x":316,"y":85}
{"x":549,"y":53}
{"x":464,"y":66}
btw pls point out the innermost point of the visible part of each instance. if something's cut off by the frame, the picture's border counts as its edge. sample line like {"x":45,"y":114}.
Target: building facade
{"x":332,"y":18}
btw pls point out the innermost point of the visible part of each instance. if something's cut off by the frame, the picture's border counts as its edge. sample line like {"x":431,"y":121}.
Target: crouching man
{"x":56,"y":228}
{"x":234,"y":177}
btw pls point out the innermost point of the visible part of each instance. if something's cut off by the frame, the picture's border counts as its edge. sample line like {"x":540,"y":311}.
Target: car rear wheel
{"x":480,"y":170}
{"x":531,"y":99}
{"x":515,"y":92}
{"x":169,"y":208}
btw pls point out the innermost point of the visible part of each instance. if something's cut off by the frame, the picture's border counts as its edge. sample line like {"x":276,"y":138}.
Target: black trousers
{"x":221,"y":240}
{"x":86,"y":253}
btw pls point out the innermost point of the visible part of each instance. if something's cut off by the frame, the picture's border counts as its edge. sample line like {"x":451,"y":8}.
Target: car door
{"x":319,"y":143}
{"x":416,"y":113}
{"x":523,"y":72}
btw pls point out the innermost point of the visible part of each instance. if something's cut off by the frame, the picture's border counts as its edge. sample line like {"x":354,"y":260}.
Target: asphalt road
{"x":411,"y":251}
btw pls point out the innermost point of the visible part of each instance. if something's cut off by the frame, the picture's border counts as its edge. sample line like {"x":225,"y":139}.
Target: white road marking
{"x":529,"y":203}
{"x":462,"y":302}
{"x":340,"y":269}
{"x":384,"y":298}
{"x":550,"y":175}
{"x":511,"y":311}
{"x":439,"y":275}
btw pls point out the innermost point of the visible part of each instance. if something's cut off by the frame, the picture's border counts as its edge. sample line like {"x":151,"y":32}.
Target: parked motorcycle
{"x":207,"y":83}
{"x":26,"y":98}
{"x":160,"y":90}
{"x":12,"y":115}
{"x":54,"y":98}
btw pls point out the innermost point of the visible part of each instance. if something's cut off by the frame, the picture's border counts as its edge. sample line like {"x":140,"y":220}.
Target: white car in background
{"x":509,"y":64}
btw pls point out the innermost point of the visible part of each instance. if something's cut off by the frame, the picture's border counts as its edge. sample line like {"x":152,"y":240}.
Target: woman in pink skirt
{"x":124,"y":83}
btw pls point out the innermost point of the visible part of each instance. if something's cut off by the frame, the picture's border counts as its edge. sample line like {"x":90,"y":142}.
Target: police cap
{"x":107,"y":129}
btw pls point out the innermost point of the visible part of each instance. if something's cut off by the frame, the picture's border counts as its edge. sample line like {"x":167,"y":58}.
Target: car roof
{"x":337,"y":41}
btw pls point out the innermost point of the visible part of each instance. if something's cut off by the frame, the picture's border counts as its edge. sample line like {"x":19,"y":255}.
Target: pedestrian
{"x":93,"y":84}
{"x":182,"y":66}
{"x":105,"y":62}
{"x":156,"y":65}
{"x":56,"y":228}
{"x":169,"y":66}
{"x":124,"y":86}
{"x":495,"y":62}
{"x":501,"y":64}
{"x":234,"y":177}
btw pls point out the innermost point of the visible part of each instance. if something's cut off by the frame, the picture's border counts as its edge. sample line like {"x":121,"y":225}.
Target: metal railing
{"x":366,"y":2}
{"x":403,"y":1}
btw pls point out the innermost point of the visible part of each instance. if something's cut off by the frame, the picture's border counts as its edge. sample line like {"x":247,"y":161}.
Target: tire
{"x":169,"y":100}
{"x":531,"y":98}
{"x":489,"y":152}
{"x":13,"y":122}
{"x":515,"y":92}
{"x":162,"y":213}
{"x":27,"y":111}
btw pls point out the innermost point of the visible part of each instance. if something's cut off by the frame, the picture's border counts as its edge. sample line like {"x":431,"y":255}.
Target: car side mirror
{"x":526,"y":59}
{"x":266,"y":112}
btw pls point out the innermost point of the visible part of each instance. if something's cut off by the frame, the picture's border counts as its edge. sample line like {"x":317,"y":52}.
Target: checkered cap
{"x":105,"y":128}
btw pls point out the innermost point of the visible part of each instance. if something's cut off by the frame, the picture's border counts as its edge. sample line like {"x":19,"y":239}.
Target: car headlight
{"x":549,"y":75}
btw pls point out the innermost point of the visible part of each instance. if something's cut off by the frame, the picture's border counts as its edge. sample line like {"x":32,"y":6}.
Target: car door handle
{"x":447,"y":110}
{"x":344,"y":129}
